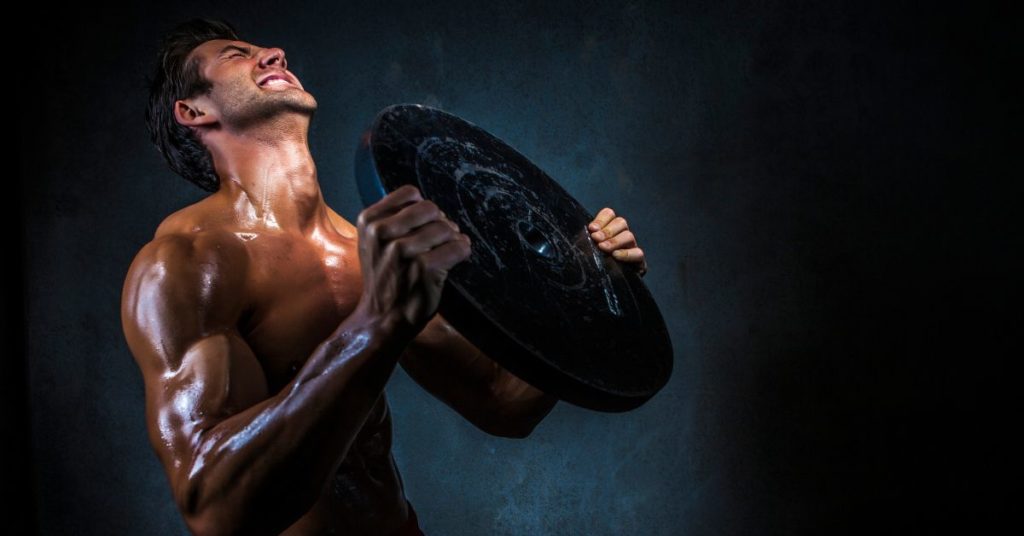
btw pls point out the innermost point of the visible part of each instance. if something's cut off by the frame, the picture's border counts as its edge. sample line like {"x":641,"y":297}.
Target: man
{"x":266,"y":326}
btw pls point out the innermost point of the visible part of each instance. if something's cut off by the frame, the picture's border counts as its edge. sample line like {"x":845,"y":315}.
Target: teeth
{"x":275,"y":81}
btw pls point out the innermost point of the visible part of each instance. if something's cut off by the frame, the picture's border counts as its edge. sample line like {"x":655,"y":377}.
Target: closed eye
{"x":244,"y":51}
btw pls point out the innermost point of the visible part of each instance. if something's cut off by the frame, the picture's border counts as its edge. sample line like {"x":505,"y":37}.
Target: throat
{"x":270,"y":183}
{"x":282,"y":205}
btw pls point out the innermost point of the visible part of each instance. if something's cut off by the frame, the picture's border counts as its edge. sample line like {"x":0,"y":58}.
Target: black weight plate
{"x":536,"y":294}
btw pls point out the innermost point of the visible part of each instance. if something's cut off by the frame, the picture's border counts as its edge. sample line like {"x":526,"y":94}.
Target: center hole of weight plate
{"x":536,"y":240}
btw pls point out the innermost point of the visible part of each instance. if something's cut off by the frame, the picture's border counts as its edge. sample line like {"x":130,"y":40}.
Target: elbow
{"x":203,"y":520}
{"x":529,"y":421}
{"x":515,"y":407}
{"x":203,"y":517}
{"x":219,"y":520}
{"x":222,"y":519}
{"x":201,"y":527}
{"x":220,"y":515}
{"x":212,"y":527}
{"x":517,"y":420}
{"x":204,"y":513}
{"x":217,"y":497}
{"x":186,"y":498}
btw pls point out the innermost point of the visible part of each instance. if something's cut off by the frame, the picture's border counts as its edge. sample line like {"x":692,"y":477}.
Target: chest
{"x":300,"y":292}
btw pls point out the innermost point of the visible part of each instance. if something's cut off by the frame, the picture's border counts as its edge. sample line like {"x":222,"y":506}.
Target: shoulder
{"x":191,"y":241}
{"x":181,"y":287}
{"x":174,"y":254}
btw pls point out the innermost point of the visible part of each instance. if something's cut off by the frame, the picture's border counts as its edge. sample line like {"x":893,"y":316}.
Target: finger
{"x":613,"y":228}
{"x":409,"y":218}
{"x":629,"y":255}
{"x":444,"y":217}
{"x":446,"y":255}
{"x":623,"y":240}
{"x":634,"y":256}
{"x":390,"y":204}
{"x":424,"y":239}
{"x":604,"y":216}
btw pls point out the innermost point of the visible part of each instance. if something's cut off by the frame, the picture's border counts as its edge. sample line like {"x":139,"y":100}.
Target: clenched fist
{"x":406,"y":248}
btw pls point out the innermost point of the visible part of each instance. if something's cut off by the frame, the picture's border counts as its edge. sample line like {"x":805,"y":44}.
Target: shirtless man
{"x":266,"y":326}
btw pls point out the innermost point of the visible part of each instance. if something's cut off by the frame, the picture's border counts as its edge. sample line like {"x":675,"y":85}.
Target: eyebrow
{"x":245,"y":50}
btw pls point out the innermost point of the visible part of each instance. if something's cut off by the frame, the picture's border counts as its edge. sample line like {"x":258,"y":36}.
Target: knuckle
{"x":385,"y":231}
{"x":372,"y":229}
{"x":431,"y":208}
{"x":438,"y":229}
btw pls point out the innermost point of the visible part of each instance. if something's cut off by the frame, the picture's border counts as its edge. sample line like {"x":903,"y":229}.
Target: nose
{"x":270,"y":56}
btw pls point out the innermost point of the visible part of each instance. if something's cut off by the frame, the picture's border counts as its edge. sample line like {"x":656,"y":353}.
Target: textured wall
{"x":816,"y":188}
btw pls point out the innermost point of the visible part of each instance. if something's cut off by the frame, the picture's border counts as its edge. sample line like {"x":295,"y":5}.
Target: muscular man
{"x":266,"y":326}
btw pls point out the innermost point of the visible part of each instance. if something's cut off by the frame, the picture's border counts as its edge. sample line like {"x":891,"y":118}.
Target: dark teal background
{"x":822,"y":190}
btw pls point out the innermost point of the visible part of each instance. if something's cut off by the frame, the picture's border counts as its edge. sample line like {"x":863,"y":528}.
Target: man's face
{"x":250,"y":83}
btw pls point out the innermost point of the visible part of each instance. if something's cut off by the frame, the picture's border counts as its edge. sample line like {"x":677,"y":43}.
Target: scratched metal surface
{"x":535,"y":291}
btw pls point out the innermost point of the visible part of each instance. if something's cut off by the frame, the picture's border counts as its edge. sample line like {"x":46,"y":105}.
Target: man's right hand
{"x":406,"y":247}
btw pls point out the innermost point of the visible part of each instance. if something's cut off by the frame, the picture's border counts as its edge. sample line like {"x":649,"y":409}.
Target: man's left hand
{"x":613,"y":236}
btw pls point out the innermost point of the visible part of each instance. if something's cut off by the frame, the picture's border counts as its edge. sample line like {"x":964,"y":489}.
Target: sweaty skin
{"x":266,"y":326}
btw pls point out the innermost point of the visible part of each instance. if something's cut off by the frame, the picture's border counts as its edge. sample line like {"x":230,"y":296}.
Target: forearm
{"x":457,"y":372}
{"x":259,"y":470}
{"x":520,"y":406}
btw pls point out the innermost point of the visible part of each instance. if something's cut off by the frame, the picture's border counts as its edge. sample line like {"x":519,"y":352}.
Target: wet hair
{"x":175,"y":79}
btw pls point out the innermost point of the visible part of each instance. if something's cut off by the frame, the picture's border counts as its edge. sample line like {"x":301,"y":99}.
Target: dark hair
{"x":173,"y":80}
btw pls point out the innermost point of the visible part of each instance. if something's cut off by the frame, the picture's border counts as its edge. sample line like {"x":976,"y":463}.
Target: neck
{"x":267,"y":174}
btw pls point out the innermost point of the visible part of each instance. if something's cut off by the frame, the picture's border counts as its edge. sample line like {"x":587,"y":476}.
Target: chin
{"x":294,"y":101}
{"x":303,"y":98}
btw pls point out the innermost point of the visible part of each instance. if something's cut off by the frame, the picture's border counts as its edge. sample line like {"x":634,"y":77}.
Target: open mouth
{"x":275,"y":80}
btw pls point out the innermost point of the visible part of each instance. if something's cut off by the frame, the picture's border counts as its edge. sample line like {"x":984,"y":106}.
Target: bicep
{"x":218,"y":376}
{"x":180,"y":305}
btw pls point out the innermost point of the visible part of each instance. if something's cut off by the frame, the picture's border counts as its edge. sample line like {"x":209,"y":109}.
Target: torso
{"x":299,"y":289}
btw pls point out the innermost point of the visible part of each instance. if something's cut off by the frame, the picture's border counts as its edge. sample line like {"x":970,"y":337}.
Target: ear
{"x":194,"y":112}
